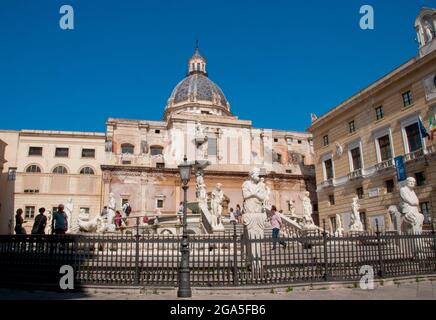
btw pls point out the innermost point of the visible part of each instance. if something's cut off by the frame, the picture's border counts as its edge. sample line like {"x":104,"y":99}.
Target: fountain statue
{"x":308,"y":223}
{"x":412,"y":219}
{"x":69,"y":207}
{"x":355,"y":223}
{"x":254,"y":194}
{"x":217,"y":208}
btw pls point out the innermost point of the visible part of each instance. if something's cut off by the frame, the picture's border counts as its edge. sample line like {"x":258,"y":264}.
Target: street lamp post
{"x":184,"y":290}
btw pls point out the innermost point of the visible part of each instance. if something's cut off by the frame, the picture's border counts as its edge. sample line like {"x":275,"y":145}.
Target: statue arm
{"x":412,"y":201}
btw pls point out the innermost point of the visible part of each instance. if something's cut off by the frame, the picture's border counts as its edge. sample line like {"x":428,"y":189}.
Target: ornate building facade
{"x":137,"y":160}
{"x":356,"y":142}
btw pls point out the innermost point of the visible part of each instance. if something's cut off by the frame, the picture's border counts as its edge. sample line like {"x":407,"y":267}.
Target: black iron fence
{"x":229,"y":259}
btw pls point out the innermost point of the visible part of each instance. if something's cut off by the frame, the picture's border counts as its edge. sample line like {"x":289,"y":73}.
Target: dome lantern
{"x":197,"y":63}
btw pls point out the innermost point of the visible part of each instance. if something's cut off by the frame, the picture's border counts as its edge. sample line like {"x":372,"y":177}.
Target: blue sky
{"x":276,"y":61}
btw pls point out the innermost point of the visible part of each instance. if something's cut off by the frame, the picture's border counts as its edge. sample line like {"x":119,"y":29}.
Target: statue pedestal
{"x":255,"y":225}
{"x":355,"y":233}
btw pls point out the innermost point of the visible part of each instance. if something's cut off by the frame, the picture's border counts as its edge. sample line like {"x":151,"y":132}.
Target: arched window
{"x":87,"y":171}
{"x":33,"y":169}
{"x":60,"y":170}
{"x":127,"y":148}
{"x":156,"y":150}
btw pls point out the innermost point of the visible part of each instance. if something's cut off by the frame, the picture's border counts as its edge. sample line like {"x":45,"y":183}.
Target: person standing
{"x":232,"y":216}
{"x":238,"y":213}
{"x":127,"y":209}
{"x":276,"y":222}
{"x":60,"y":221}
{"x":40,"y":222}
{"x":19,"y":229}
{"x":118,"y":219}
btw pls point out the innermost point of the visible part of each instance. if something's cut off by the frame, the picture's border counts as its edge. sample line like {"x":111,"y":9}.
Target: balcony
{"x":385,"y":165}
{"x":356,"y":174}
{"x":327,"y":183}
{"x":414,"y":156}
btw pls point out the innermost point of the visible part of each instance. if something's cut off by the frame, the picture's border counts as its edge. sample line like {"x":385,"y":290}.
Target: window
{"x":420,"y":179}
{"x":356,"y":158}
{"x":407,"y":98}
{"x":333,"y":223}
{"x":87,"y":171}
{"x":276,"y":140}
{"x":384,"y":144}
{"x":413,"y":137}
{"x":61,"y":152}
{"x":332,"y":199}
{"x":33,"y":169}
{"x":389,"y":186}
{"x":363,"y":219}
{"x":289,"y":171}
{"x":212,"y":146}
{"x":359,"y":192}
{"x":351,"y":126}
{"x":160,"y":165}
{"x":35,"y":151}
{"x":29,"y":212}
{"x":88,"y":153}
{"x":31,"y":191}
{"x":156,"y":150}
{"x":328,"y":165}
{"x":326,"y":140}
{"x":127,"y":148}
{"x":299,"y":142}
{"x":379,"y":113}
{"x":425,"y":209}
{"x":157,"y":131}
{"x":205,"y":112}
{"x":60,"y":170}
{"x":159,"y":203}
{"x":279,"y":158}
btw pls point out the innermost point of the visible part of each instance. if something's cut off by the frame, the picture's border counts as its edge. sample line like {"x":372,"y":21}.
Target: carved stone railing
{"x":385,"y":165}
{"x":355,"y":174}
{"x":290,"y":226}
{"x":128,"y":159}
{"x":414,"y":156}
{"x":206,"y":217}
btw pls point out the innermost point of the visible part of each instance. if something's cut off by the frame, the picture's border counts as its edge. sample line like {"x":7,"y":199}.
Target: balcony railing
{"x":327,"y":183}
{"x":414,"y":156}
{"x":355,"y":174}
{"x":385,"y":165}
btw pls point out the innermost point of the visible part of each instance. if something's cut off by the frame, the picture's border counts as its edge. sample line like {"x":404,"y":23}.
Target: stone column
{"x":107,"y":177}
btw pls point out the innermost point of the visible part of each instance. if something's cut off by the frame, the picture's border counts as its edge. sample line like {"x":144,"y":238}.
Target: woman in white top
{"x":232,"y":216}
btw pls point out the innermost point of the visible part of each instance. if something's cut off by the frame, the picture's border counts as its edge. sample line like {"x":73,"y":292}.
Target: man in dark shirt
{"x":40,"y":222}
{"x":60,"y":221}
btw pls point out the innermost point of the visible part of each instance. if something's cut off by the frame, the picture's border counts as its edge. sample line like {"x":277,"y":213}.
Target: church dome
{"x":197,"y":93}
